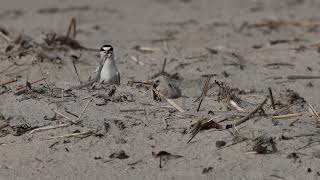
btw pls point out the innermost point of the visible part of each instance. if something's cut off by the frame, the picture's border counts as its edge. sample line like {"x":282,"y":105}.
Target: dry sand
{"x":249,"y":45}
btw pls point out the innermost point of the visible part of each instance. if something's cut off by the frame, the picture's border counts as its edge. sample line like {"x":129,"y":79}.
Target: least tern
{"x":166,"y":87}
{"x":107,"y":71}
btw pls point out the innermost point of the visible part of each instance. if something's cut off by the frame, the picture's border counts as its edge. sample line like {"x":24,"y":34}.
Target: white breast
{"x":109,"y":73}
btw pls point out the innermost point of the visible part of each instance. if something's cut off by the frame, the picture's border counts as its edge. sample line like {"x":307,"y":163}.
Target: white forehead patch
{"x":106,"y":48}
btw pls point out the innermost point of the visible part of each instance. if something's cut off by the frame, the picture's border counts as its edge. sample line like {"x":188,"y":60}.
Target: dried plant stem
{"x":314,"y":112}
{"x":271,"y":98}
{"x":247,"y":117}
{"x":60,"y":114}
{"x":171,"y":102}
{"x":164,"y":65}
{"x":72,"y":26}
{"x":85,"y":107}
{"x":75,"y":68}
{"x":204,"y":91}
{"x":5,"y":37}
{"x":9,"y":82}
{"x":19,"y":88}
{"x":72,"y":135}
{"x":43,"y":77}
{"x":287,"y":116}
{"x":49,"y":127}
{"x":236,"y":106}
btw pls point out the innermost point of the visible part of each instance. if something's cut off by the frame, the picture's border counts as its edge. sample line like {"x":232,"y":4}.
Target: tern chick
{"x":166,"y":87}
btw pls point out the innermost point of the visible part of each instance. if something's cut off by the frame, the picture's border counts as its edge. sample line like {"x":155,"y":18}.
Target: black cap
{"x":104,"y":47}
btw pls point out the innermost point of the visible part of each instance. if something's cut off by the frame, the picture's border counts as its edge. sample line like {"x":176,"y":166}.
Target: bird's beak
{"x":107,"y":54}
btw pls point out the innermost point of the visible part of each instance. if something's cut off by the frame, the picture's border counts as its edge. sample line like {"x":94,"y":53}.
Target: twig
{"x":307,"y":145}
{"x":72,"y":135}
{"x":69,"y":112}
{"x":291,"y":124}
{"x":85,"y":107}
{"x":131,"y":110}
{"x":204,"y":91}
{"x":19,"y":88}
{"x":9,"y":81}
{"x":72,"y":26}
{"x":44,"y":79}
{"x":75,"y":68}
{"x":164,"y":65}
{"x":64,"y":116}
{"x":62,"y":95}
{"x":295,"y":77}
{"x":49,"y":127}
{"x":287,"y":116}
{"x":232,"y":144}
{"x":236,"y":106}
{"x":196,"y":130}
{"x":247,"y":117}
{"x":314,"y":112}
{"x":5,"y":37}
{"x":27,"y":80}
{"x":271,"y":98}
{"x":171,"y":102}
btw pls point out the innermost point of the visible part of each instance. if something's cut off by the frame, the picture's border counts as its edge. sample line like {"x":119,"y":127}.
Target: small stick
{"x":69,"y":112}
{"x":164,"y":65}
{"x":9,"y":81}
{"x":140,"y":82}
{"x":5,"y":37}
{"x":131,"y":110}
{"x":171,"y":102}
{"x":27,"y":80}
{"x":85,"y":107}
{"x":247,"y":117}
{"x":314,"y":112}
{"x":291,"y":124}
{"x":62,"y":94}
{"x":19,"y":88}
{"x":234,"y":143}
{"x":196,"y":130}
{"x":72,"y":26}
{"x":64,"y":116}
{"x":75,"y":68}
{"x":287,"y":116}
{"x":72,"y":135}
{"x":43,"y":77}
{"x":204,"y":91}
{"x":295,"y":77}
{"x":49,"y":127}
{"x":236,"y":106}
{"x":271,"y":97}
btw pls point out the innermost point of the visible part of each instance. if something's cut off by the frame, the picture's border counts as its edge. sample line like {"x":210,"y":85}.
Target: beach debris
{"x":119,"y":155}
{"x":261,"y":144}
{"x":202,"y":124}
{"x":165,"y":156}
